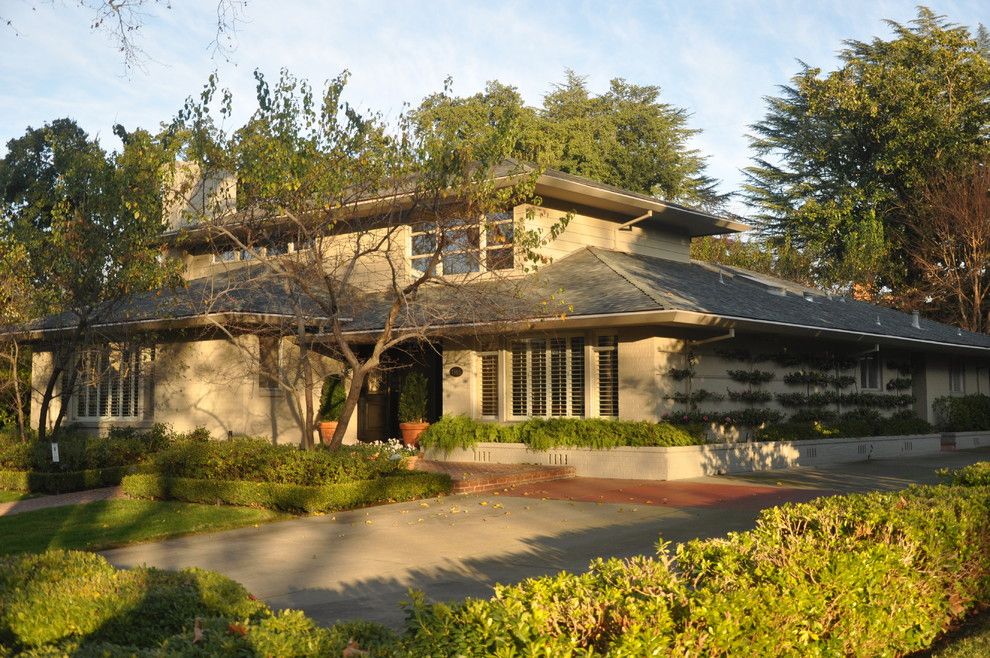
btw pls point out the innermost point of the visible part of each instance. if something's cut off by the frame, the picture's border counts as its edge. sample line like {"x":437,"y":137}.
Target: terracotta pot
{"x":411,"y":431}
{"x":326,"y":428}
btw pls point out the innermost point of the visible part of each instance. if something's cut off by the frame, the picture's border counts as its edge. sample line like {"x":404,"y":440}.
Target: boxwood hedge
{"x":289,"y":497}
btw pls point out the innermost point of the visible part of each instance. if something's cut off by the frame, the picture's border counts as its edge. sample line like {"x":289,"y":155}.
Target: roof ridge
{"x":624,"y":273}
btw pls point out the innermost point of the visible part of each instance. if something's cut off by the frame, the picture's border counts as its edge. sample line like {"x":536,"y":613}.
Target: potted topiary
{"x":331,"y":402}
{"x":413,"y":400}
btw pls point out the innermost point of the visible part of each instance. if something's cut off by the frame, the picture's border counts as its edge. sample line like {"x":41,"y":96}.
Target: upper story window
{"x":957,"y":378}
{"x":869,"y":372}
{"x":111,"y":382}
{"x":481,"y":245}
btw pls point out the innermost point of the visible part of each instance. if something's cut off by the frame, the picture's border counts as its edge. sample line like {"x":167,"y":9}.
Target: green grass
{"x":971,"y":640}
{"x":104,"y":524}
{"x":11,"y":496}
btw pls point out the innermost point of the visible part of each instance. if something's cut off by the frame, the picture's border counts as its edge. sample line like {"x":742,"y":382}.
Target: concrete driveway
{"x":359,"y":564}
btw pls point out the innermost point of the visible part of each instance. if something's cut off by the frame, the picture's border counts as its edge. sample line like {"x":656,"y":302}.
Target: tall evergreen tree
{"x":842,"y":155}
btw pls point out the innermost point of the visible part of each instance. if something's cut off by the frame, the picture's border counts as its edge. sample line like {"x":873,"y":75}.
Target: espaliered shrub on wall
{"x":879,"y":574}
{"x":737,"y":418}
{"x":452,"y":432}
{"x":751,"y":377}
{"x":295,"y":498}
{"x":824,"y":398}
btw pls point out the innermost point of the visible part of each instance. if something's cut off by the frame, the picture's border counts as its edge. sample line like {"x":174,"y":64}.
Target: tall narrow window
{"x":111,"y":382}
{"x":869,"y":372}
{"x":520,"y":379}
{"x":957,"y":377}
{"x":489,"y":384}
{"x":548,"y":377}
{"x":268,"y":361}
{"x":608,"y":376}
{"x":538,"y":378}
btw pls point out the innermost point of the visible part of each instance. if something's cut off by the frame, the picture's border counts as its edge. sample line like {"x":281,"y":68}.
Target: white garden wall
{"x":678,"y":463}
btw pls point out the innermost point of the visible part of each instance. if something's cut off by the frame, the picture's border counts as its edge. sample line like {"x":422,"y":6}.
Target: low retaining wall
{"x":678,"y":463}
{"x":967,"y":440}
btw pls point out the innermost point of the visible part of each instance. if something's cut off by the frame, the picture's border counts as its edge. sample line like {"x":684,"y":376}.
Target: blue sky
{"x":715,"y":58}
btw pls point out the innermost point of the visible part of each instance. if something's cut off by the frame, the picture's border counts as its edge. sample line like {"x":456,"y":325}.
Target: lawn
{"x":972,"y":640}
{"x":104,"y":524}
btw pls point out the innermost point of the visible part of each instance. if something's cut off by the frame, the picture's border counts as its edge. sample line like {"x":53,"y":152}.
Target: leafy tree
{"x":348,"y":186}
{"x":85,"y":226}
{"x":626,"y":136}
{"x":841,"y":155}
{"x":752,"y":254}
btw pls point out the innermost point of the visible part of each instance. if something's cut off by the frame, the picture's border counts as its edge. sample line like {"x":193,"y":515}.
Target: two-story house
{"x":634,"y":329}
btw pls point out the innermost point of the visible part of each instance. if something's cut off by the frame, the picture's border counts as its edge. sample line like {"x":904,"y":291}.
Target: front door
{"x":374,"y":408}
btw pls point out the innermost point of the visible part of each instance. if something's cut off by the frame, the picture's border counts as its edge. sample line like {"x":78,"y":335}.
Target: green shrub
{"x":64,"y":482}
{"x":59,"y":595}
{"x":79,"y":451}
{"x":807,"y":425}
{"x":332,"y":398}
{"x":962,"y":413}
{"x":413,"y":399}
{"x":974,"y":475}
{"x":257,"y":460}
{"x":452,"y":432}
{"x":296,"y":498}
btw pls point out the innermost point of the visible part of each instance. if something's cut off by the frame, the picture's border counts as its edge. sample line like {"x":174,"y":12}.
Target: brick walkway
{"x":478,"y":478}
{"x":60,"y":500}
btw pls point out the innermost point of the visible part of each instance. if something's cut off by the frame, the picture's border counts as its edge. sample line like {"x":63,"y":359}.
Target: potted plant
{"x":413,"y":401}
{"x":331,"y":402}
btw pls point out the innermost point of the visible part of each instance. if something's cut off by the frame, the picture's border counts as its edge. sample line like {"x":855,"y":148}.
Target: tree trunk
{"x":46,"y":401}
{"x":18,"y":395}
{"x":309,"y":423}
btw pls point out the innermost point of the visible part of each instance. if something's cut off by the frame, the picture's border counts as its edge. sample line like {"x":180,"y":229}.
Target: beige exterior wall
{"x":41,"y":368}
{"x":586,"y":230}
{"x":646,"y":357}
{"x":215,"y":384}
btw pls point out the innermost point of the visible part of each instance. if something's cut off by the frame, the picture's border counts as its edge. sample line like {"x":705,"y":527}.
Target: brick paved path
{"x":59,"y":500}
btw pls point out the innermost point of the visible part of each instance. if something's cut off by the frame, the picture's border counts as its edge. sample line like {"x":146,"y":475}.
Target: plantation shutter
{"x":608,"y":376}
{"x":489,"y":385}
{"x":548,"y":377}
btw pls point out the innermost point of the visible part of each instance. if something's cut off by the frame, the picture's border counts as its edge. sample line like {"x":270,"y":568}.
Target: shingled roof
{"x":589,"y":283}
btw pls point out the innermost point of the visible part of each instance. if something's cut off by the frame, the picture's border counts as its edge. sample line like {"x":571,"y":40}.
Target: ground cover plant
{"x":883,"y":573}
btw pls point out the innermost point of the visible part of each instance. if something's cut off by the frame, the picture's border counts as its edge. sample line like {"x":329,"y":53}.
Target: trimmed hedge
{"x":829,"y":426}
{"x":64,"y":482}
{"x":878,"y":574}
{"x":963,"y":413}
{"x":289,"y":497}
{"x":258,"y":460}
{"x":452,"y":432}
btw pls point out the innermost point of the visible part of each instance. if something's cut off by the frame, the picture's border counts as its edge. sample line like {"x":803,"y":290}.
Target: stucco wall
{"x":646,"y":356}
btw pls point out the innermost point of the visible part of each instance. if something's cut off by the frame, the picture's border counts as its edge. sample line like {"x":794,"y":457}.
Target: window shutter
{"x":489,"y":385}
{"x":608,"y":376}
